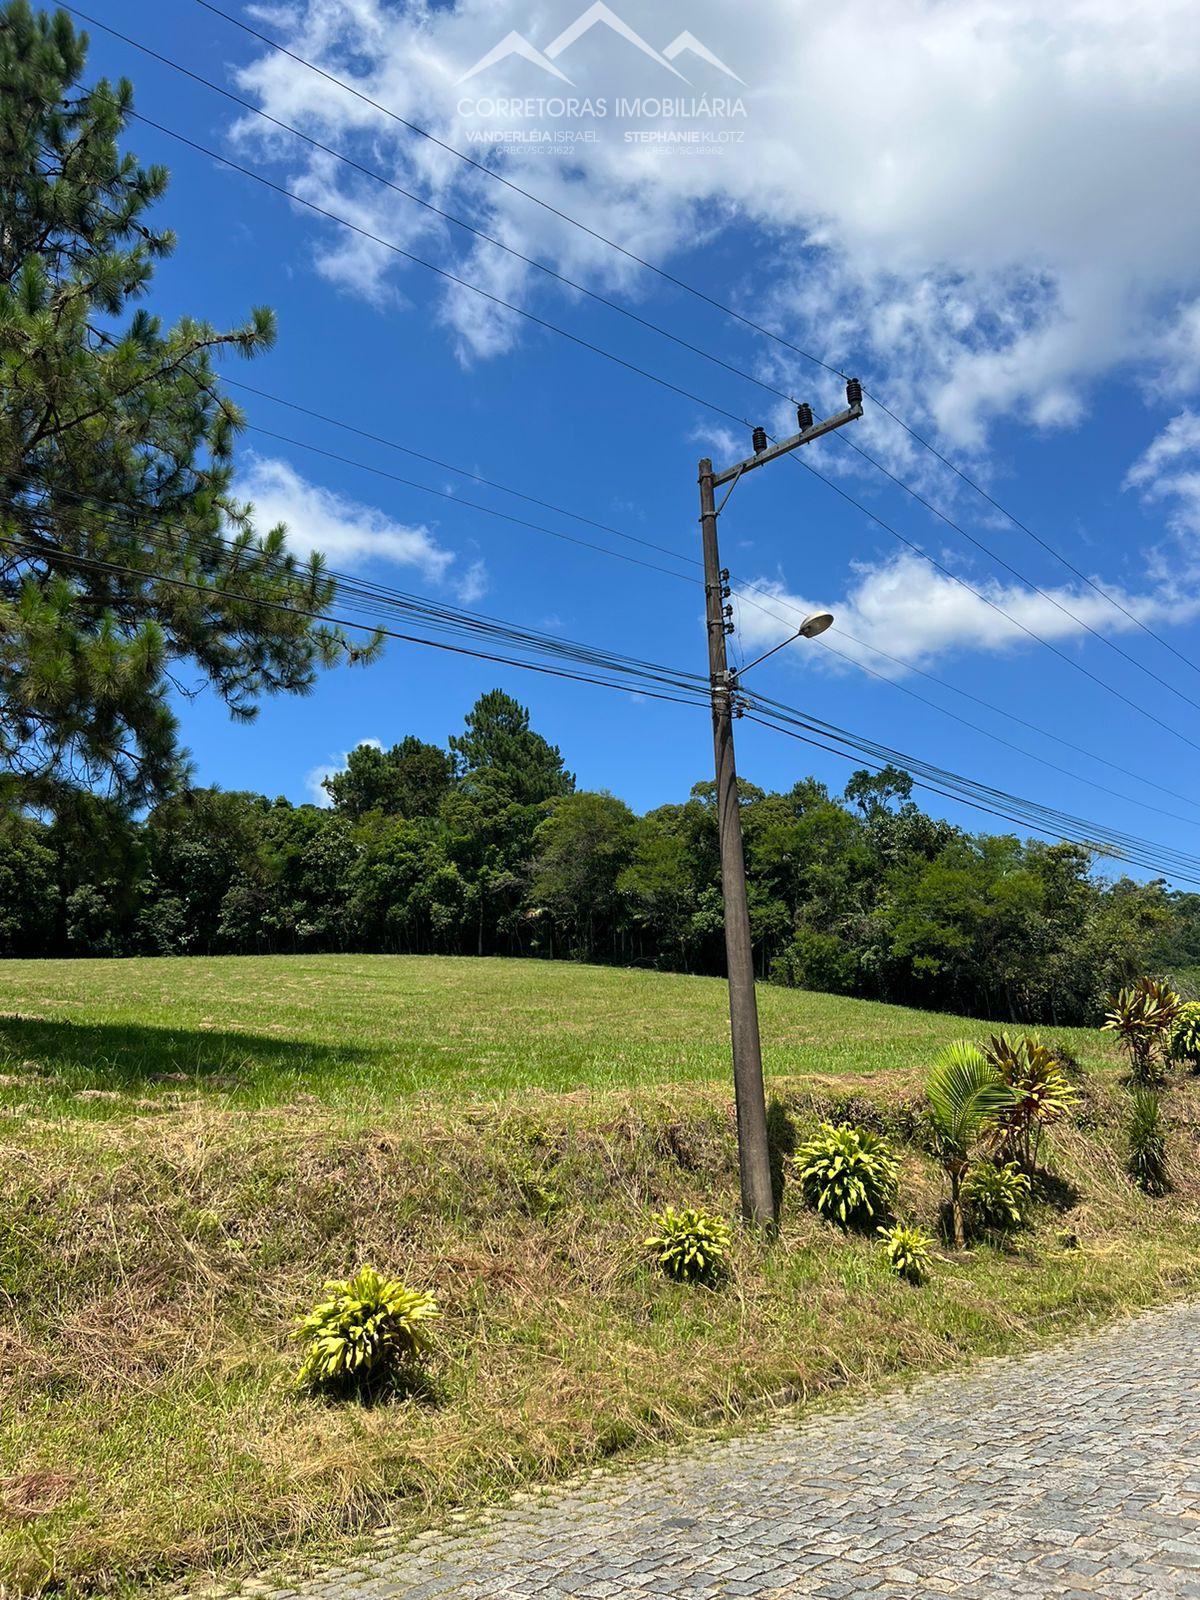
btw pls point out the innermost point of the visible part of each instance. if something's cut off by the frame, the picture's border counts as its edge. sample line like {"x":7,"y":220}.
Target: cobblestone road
{"x":1067,"y":1474}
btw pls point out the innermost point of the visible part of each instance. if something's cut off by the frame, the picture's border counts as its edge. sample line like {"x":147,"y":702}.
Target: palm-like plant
{"x":967,"y":1100}
{"x":1141,"y":1015}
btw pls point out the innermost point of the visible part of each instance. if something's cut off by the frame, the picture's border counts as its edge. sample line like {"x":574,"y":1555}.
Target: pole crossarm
{"x":805,"y":436}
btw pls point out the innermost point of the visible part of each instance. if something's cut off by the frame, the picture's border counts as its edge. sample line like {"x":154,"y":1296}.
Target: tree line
{"x":487,"y":847}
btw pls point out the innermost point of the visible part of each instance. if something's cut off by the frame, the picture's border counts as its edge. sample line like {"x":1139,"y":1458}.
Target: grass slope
{"x":364,"y":1031}
{"x":153,"y":1258}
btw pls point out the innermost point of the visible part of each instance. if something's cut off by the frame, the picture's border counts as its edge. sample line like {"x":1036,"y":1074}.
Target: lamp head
{"x":817,"y":623}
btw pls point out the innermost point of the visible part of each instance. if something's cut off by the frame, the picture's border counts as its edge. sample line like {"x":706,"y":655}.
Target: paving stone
{"x":1069,"y":1474}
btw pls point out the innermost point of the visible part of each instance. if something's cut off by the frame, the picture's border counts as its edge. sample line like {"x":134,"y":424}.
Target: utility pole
{"x":758,"y":1197}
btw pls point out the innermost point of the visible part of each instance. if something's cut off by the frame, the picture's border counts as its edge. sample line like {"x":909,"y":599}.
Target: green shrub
{"x":1185,"y":1034}
{"x":907,"y":1250}
{"x":816,"y":960}
{"x":368,"y":1330}
{"x":689,"y":1244}
{"x":1147,"y":1134}
{"x":539,"y":1197}
{"x":847,"y":1173}
{"x":996,"y":1195}
{"x":1069,"y":1063}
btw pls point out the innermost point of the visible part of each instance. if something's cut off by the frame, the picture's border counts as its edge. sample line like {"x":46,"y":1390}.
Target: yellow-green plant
{"x":848,"y":1174}
{"x":367,"y":1330}
{"x":1042,"y":1093}
{"x":907,"y":1249}
{"x":1142,"y":1015}
{"x":690,"y":1244}
{"x":1184,"y":1041}
{"x":996,"y":1194}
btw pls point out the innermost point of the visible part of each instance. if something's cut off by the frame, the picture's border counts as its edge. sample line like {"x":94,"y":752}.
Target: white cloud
{"x":347,"y":532}
{"x":315,"y":777}
{"x":1169,"y":470}
{"x":473,"y":584}
{"x":909,"y":609}
{"x":982,"y":205}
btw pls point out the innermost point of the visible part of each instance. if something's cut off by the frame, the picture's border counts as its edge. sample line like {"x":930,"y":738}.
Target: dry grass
{"x":153,"y":1263}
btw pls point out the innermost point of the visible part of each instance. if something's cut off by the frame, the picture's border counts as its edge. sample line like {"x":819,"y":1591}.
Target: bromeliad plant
{"x":1042,"y":1093}
{"x":996,"y":1195}
{"x":1184,"y":1043}
{"x":848,"y":1174}
{"x":967,"y":1100}
{"x":367,"y":1331}
{"x":907,"y":1249}
{"x":1142,"y":1016}
{"x":690,"y":1245}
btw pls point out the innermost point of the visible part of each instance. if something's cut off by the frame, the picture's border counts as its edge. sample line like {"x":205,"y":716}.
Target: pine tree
{"x":124,"y":554}
{"x":499,"y":748}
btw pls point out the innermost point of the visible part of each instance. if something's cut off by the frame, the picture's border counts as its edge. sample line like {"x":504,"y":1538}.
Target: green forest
{"x":487,"y":847}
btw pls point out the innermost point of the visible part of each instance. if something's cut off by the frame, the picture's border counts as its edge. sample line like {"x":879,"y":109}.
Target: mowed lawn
{"x":360,"y":1032}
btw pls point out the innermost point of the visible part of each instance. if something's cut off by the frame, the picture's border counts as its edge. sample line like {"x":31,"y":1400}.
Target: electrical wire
{"x":1044,"y":594}
{"x":1042,"y":819}
{"x":349,"y":584}
{"x":665,"y":383}
{"x":708,"y":299}
{"x":652,"y":377}
{"x":447,"y":216}
{"x":744,"y":587}
{"x":992,"y":605}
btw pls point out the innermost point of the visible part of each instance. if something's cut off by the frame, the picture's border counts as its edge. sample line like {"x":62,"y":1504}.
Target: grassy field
{"x":360,"y":1032}
{"x":189,"y":1148}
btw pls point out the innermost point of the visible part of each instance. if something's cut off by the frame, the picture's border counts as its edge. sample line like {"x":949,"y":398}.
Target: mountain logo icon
{"x":516,"y":44}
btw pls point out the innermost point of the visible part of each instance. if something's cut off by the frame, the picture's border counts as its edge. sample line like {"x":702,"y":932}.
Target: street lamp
{"x":808,"y":629}
{"x":817,"y":623}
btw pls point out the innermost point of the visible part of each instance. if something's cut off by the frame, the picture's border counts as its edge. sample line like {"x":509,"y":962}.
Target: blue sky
{"x":986,"y":214}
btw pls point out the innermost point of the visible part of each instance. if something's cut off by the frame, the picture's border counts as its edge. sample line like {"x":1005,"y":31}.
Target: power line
{"x":708,"y":299}
{"x":351,"y":590}
{"x":1026,"y":529}
{"x":430,"y":266}
{"x":665,"y":383}
{"x":1054,"y":766}
{"x":1020,"y":576}
{"x":645,"y":322}
{"x":328,"y":618}
{"x":934,"y":788}
{"x":1141,"y":710}
{"x":739,"y":584}
{"x":1034,"y":727}
{"x":1041,"y":819}
{"x":641,"y":371}
{"x":447,"y":216}
{"x":348,"y":584}
{"x":490,"y":511}
{"x":653,"y":377}
{"x":1046,"y":820}
{"x":449,"y":466}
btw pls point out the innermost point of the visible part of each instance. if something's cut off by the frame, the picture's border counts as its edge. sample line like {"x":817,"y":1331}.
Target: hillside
{"x":172,"y":1198}
{"x":365,"y":1031}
